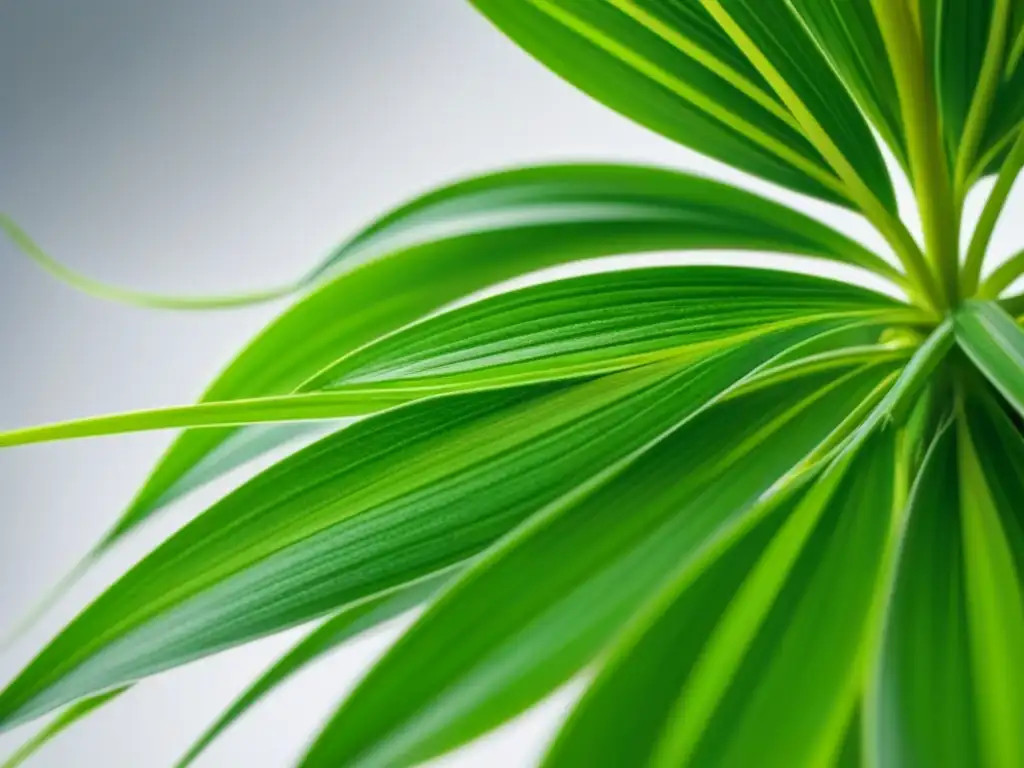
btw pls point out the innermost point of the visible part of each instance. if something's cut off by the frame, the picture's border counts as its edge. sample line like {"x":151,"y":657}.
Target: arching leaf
{"x":668,"y":67}
{"x":460,"y":239}
{"x":539,"y":607}
{"x":388,"y":501}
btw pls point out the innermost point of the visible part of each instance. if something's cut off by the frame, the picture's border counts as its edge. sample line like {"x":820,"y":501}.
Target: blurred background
{"x":212,"y":146}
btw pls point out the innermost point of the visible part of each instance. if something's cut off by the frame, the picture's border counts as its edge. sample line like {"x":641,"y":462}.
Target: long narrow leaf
{"x":667,"y":66}
{"x":462,"y":238}
{"x":327,"y":637}
{"x":498,"y":642}
{"x":388,"y":501}
{"x":995,"y":343}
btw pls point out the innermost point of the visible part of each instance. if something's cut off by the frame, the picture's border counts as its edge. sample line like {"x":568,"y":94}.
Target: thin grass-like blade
{"x":598,"y":323}
{"x":61,"y":723}
{"x":569,"y":329}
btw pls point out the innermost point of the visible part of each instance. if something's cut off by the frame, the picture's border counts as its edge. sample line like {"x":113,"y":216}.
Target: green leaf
{"x":961,"y":40}
{"x":538,"y":607}
{"x":61,"y":723}
{"x":957,"y":702}
{"x":670,"y":68}
{"x":598,"y":323}
{"x":921,"y":706}
{"x":782,"y":672}
{"x":572,"y":328}
{"x":773,"y":38}
{"x":848,"y":35}
{"x":387,"y":501}
{"x":992,"y":542}
{"x":852,"y":753}
{"x":335,"y":631}
{"x":995,"y":343}
{"x":621,"y":716}
{"x":460,"y":239}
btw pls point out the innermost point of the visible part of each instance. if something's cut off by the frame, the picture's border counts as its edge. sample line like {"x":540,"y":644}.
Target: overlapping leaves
{"x":774,"y":518}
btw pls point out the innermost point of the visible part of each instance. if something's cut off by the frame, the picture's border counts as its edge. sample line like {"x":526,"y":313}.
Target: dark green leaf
{"x":772,"y":36}
{"x":61,"y":723}
{"x":328,"y":636}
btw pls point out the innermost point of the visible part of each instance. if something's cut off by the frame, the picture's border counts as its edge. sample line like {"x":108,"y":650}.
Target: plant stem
{"x":928,"y":163}
{"x":990,"y":215}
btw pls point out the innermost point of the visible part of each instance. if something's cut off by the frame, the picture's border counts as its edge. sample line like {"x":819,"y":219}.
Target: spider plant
{"x":771,"y":519}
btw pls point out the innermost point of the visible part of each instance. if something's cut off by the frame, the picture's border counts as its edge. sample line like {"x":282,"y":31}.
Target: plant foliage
{"x":776,"y":519}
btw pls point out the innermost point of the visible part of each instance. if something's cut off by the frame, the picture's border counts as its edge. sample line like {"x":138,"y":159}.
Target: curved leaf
{"x":780,"y":677}
{"x":995,"y":343}
{"x":387,"y":501}
{"x":597,"y":323}
{"x":570,"y":578}
{"x":61,"y":723}
{"x":669,"y":67}
{"x":993,"y":547}
{"x":335,"y":631}
{"x":847,"y":34}
{"x":772,"y":36}
{"x":460,"y":239}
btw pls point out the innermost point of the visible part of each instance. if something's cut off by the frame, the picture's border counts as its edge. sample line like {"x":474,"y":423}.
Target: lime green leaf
{"x":29,"y":247}
{"x":387,"y":501}
{"x":542,"y":604}
{"x":313,"y":410}
{"x":668,"y":67}
{"x":328,"y":636}
{"x":61,"y":723}
{"x":922,"y":707}
{"x":848,"y":34}
{"x":995,"y":343}
{"x":459,"y":239}
{"x":598,"y":323}
{"x":782,"y":672}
